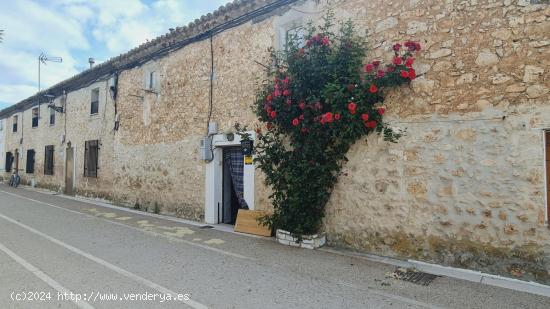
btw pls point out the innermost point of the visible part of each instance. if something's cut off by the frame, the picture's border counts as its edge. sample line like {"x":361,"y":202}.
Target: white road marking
{"x":42,"y":276}
{"x":106,"y":264}
{"x":240,"y":256}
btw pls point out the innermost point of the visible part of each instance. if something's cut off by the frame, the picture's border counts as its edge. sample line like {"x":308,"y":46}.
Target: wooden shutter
{"x":30,"y":162}
{"x":86,"y":155}
{"x":9,"y":161}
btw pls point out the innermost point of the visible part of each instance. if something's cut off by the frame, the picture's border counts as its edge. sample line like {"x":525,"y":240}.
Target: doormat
{"x":412,"y":275}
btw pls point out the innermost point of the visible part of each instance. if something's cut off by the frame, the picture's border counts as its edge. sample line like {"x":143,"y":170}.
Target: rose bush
{"x":318,"y":100}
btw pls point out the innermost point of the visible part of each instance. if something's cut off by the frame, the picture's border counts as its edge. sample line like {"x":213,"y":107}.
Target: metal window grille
{"x":94,"y":106}
{"x":91,"y":155}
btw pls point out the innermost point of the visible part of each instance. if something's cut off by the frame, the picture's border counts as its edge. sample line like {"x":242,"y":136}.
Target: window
{"x":151,"y":80}
{"x":1,"y":125}
{"x":296,"y":34}
{"x":35,"y":117}
{"x":9,"y":161}
{"x":15,"y":123}
{"x":52,"y":116}
{"x":94,"y":106}
{"x":48,"y":160}
{"x":91,"y":154}
{"x":30,"y":161}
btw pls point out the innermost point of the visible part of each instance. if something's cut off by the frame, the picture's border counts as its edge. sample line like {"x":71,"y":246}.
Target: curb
{"x":452,"y":272}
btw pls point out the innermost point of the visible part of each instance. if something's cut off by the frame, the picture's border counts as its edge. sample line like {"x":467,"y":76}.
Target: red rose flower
{"x":371,"y":124}
{"x":373,"y":89}
{"x":376,"y":63}
{"x":365,"y":117}
{"x":409,"y":62}
{"x":295,"y":122}
{"x":369,"y":67}
{"x":337,"y":116}
{"x":404,"y":74}
{"x":396,"y":47}
{"x":412,"y":73}
{"x":269,"y":98}
{"x":277,"y":93}
{"x":273,"y":114}
{"x":301,"y":117}
{"x":325,"y":41}
{"x":352,"y":107}
{"x":380,"y":74}
{"x":329,"y":117}
{"x":286,"y":93}
{"x":397,"y":60}
{"x":286,"y":80}
{"x":381,"y":111}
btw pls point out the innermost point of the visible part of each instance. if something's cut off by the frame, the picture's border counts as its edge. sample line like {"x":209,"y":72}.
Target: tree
{"x":318,"y":100}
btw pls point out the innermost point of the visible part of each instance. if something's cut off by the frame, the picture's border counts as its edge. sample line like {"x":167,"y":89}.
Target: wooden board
{"x":247,"y":222}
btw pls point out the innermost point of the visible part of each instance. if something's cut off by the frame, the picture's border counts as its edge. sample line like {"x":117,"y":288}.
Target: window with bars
{"x":9,"y":161}
{"x":30,"y":162}
{"x":94,"y":105}
{"x":91,"y":156}
{"x":15,"y":118}
{"x":48,"y":160}
{"x":35,"y":117}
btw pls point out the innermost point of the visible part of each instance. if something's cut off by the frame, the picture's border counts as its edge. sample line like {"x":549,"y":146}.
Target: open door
{"x":69,"y":169}
{"x":233,"y":187}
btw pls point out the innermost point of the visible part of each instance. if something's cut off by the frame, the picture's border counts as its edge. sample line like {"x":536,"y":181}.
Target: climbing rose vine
{"x":318,"y":100}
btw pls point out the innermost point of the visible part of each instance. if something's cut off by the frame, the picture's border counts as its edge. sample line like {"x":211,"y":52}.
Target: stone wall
{"x":464,"y":187}
{"x":78,"y":126}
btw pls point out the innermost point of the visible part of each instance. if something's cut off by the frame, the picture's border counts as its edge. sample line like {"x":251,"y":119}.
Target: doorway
{"x":232,"y":185}
{"x":16,"y":158}
{"x":69,"y":170}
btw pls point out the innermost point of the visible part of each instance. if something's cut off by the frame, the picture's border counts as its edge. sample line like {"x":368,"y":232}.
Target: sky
{"x":77,"y":30}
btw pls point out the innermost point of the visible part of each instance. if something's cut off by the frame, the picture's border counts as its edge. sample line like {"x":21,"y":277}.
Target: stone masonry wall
{"x":465,"y":186}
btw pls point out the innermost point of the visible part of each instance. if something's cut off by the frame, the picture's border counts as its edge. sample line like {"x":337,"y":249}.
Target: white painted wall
{"x":214,"y":181}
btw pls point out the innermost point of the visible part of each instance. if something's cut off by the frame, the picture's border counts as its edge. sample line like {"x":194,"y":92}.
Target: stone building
{"x":466,"y":187}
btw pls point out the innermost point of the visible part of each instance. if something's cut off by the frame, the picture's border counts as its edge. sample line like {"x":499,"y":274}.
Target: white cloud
{"x":77,"y":29}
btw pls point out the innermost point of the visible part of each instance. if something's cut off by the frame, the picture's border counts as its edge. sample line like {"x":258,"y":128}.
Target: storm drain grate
{"x":413,"y":276}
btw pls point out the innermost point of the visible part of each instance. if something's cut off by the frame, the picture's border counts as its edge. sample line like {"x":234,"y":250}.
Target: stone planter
{"x":308,"y":241}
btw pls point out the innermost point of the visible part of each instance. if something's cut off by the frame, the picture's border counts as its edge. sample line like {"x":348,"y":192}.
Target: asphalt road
{"x":52,"y":246}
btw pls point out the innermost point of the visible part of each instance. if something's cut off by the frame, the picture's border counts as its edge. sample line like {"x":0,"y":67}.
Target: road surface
{"x":57,"y":252}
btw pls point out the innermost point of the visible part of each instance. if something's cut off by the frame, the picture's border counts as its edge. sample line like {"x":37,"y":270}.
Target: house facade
{"x":466,"y":186}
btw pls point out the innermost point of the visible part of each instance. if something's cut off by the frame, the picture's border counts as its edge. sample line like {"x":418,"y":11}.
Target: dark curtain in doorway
{"x":236,"y":166}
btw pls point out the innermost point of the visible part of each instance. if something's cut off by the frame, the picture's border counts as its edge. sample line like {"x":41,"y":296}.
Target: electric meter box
{"x":205,"y":149}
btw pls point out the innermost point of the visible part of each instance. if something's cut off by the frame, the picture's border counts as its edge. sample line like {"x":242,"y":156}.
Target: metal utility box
{"x":205,"y":149}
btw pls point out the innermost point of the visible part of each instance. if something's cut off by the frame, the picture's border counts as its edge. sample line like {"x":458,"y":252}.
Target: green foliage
{"x":319,"y":100}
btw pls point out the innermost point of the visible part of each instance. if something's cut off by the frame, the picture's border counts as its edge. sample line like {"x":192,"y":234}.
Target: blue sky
{"x":77,"y":30}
